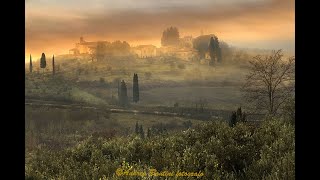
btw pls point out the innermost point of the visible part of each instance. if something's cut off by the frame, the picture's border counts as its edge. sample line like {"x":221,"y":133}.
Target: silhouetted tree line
{"x":105,"y":49}
{"x":237,"y":116}
{"x":170,"y":37}
{"x":208,"y":43}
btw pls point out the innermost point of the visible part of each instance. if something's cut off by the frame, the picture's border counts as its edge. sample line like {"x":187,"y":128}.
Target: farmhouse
{"x":144,"y":51}
{"x":84,"y":47}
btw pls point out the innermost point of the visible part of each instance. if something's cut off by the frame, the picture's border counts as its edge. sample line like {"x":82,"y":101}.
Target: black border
{"x":12,"y":81}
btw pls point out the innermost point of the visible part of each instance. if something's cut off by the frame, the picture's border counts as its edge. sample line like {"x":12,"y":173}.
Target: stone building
{"x":84,"y":47}
{"x":144,"y":51}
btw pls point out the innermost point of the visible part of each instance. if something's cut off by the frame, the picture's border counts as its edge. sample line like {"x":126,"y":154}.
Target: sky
{"x":53,"y":27}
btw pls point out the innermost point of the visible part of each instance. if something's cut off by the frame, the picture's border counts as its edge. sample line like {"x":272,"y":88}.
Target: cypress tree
{"x":30,"y":65}
{"x":149,"y":133}
{"x":53,"y":67}
{"x":211,"y":49}
{"x":217,"y":49}
{"x":123,"y":94}
{"x":135,"y":88}
{"x":43,"y":62}
{"x":233,"y":119}
{"x":119,"y":95}
{"x":141,"y":132}
{"x":137,"y":128}
{"x":239,"y":114}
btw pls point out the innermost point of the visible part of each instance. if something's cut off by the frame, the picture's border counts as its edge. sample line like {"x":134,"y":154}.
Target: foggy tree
{"x":30,"y":65}
{"x":200,"y":43}
{"x":100,"y":51}
{"x":212,"y":52}
{"x":270,"y":81}
{"x":135,"y":88}
{"x":201,"y":104}
{"x":149,"y":133}
{"x":237,"y":116}
{"x":118,"y":47}
{"x":137,"y":128}
{"x":123,"y":94}
{"x":141,"y":131}
{"x":43,"y":62}
{"x":233,"y":119}
{"x":217,"y":49}
{"x":53,"y":66}
{"x":170,"y":37}
{"x":208,"y":43}
{"x":119,"y":92}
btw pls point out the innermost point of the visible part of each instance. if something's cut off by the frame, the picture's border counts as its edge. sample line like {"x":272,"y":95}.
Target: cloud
{"x":241,"y":23}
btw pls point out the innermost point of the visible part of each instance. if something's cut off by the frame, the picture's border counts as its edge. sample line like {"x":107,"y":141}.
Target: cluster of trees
{"x":237,"y":116}
{"x":208,"y":43}
{"x":170,"y":37}
{"x":43,"y":63}
{"x":214,"y":50}
{"x":105,"y":49}
{"x":122,"y":91}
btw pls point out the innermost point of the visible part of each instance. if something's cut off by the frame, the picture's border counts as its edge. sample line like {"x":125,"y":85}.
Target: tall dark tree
{"x":233,"y":119}
{"x":53,"y":66}
{"x":148,"y":133}
{"x":100,"y":51}
{"x":43,"y":62}
{"x":170,"y":37}
{"x":141,"y":131}
{"x":30,"y":65}
{"x":208,"y":43}
{"x":237,"y":116}
{"x":123,"y":94}
{"x":119,"y":91}
{"x":137,"y":130}
{"x":212,"y":52}
{"x":135,"y":88}
{"x":217,"y":49}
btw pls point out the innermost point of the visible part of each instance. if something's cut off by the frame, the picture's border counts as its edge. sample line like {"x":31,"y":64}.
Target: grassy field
{"x":60,"y":128}
{"x":227,"y":97}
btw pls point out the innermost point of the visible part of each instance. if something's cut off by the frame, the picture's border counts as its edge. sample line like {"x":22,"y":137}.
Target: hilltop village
{"x":202,"y":48}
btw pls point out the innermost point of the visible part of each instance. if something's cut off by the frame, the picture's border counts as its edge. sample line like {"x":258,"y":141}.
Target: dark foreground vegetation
{"x":213,"y":148}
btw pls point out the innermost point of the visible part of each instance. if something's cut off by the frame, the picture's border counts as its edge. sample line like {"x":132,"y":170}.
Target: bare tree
{"x":270,"y":81}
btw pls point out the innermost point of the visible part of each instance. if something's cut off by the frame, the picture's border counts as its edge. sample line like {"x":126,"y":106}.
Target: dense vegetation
{"x":214,"y":148}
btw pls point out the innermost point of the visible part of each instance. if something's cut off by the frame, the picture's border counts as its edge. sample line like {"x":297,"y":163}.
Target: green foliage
{"x":214,"y":148}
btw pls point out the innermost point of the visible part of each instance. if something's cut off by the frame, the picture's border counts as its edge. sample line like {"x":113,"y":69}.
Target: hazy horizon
{"x":55,"y":27}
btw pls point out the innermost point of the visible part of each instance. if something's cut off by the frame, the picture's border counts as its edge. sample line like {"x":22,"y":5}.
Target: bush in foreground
{"x":213,"y":148}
